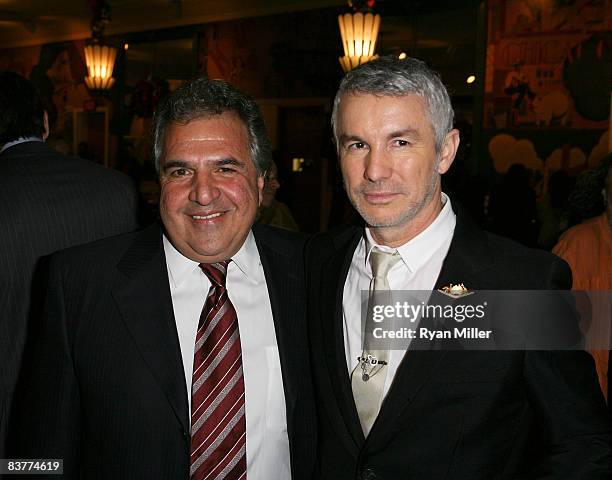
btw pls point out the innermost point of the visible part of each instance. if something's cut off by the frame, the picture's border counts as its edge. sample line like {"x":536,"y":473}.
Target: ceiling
{"x":34,"y":22}
{"x":417,"y":27}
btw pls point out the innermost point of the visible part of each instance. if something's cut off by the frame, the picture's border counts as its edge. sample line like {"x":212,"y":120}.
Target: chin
{"x":377,"y":217}
{"x":382,"y":221}
{"x":209,"y":256}
{"x":373,"y":221}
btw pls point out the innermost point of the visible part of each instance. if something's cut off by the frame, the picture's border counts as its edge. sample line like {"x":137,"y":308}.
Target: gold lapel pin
{"x":455,"y":290}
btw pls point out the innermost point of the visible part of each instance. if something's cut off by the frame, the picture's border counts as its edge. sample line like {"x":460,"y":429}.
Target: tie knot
{"x":382,"y":262}
{"x":216,"y":272}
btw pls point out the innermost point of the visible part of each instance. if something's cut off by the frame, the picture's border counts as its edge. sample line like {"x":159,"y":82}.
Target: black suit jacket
{"x":457,"y":414}
{"x":47,"y":202}
{"x":108,"y":393}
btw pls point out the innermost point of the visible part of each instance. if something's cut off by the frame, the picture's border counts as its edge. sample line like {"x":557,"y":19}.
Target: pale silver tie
{"x":367,"y":380}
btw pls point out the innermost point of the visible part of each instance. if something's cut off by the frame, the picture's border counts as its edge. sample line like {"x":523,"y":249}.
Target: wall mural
{"x":549,"y":64}
{"x":57,"y":71}
{"x":548,"y":69}
{"x":505,"y":149}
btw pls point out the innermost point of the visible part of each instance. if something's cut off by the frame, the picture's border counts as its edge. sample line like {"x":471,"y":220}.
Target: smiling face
{"x":389,"y":163}
{"x":210,"y":189}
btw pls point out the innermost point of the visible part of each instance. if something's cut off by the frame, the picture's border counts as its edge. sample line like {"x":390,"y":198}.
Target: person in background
{"x":272,"y":212}
{"x":48,"y":202}
{"x":587,"y":248}
{"x":513,"y":207}
{"x":553,"y":209}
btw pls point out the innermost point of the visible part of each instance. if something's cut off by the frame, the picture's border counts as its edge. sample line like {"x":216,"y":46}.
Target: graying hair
{"x":390,"y":76}
{"x":203,"y":98}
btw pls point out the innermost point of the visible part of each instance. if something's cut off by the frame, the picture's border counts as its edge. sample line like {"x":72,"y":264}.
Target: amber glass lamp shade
{"x":359,"y":34}
{"x":100,"y":61}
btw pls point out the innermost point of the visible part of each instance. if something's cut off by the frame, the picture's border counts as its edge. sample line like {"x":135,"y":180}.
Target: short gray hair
{"x":390,"y":76}
{"x":203,"y":98}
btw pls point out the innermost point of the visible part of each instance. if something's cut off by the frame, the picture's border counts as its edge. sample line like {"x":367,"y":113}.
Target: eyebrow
{"x":229,"y":161}
{"x":406,"y":132}
{"x":173,"y":164}
{"x":217,"y":163}
{"x":350,"y":138}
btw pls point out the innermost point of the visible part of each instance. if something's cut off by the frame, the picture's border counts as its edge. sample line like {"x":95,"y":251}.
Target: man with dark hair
{"x":388,"y":410}
{"x":47,"y":202}
{"x":23,"y":115}
{"x":179,"y":352}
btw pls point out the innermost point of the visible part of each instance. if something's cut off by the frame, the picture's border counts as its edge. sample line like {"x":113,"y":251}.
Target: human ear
{"x":448,"y":150}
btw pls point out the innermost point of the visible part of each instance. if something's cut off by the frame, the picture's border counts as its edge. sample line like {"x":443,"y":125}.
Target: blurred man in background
{"x":47,"y":202}
{"x":272,"y":212}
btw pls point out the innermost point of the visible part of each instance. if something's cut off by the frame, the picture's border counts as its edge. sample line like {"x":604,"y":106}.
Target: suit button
{"x":368,"y":474}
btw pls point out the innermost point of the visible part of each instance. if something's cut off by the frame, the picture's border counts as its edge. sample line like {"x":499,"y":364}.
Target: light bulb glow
{"x":359,"y":33}
{"x":100,"y":60}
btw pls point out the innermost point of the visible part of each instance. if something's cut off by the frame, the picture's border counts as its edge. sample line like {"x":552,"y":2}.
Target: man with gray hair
{"x":389,"y":411}
{"x":178,"y":351}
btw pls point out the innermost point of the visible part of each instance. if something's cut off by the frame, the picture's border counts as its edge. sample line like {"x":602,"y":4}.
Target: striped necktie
{"x":218,"y":424}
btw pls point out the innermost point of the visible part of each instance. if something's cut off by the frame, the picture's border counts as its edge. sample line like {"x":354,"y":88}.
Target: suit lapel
{"x":467,"y":255}
{"x":334,"y":273}
{"x":142,"y":294}
{"x":285,"y":284}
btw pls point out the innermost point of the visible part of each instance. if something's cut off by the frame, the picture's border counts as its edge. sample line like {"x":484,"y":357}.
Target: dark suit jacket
{"x":108,"y":393}
{"x":47,"y":202}
{"x":457,"y":414}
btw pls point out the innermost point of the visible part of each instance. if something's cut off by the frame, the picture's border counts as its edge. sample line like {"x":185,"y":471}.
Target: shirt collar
{"x":246,"y":260}
{"x":418,"y":251}
{"x":20,"y":140}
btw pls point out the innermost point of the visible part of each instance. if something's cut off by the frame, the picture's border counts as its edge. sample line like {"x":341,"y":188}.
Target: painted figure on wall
{"x":58,"y":77}
{"x":517,"y":86}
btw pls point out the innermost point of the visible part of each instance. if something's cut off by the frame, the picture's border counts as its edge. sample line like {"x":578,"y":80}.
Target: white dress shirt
{"x":422,"y":259}
{"x":267,"y":444}
{"x":18,"y":141}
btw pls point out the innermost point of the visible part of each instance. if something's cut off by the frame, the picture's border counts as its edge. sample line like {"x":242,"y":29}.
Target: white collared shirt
{"x":422,"y":259}
{"x":267,"y":444}
{"x":18,"y":141}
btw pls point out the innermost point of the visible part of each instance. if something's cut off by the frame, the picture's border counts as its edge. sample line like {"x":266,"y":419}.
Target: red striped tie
{"x":218,"y":425}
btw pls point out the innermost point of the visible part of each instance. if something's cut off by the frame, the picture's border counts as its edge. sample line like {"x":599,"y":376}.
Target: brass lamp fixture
{"x":359,"y":33}
{"x":100,"y":58}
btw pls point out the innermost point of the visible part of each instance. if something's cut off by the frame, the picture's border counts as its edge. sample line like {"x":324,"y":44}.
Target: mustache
{"x":379,"y":188}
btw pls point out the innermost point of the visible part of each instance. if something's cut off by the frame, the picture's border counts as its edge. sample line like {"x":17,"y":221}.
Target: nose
{"x":378,"y":165}
{"x":204,"y":189}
